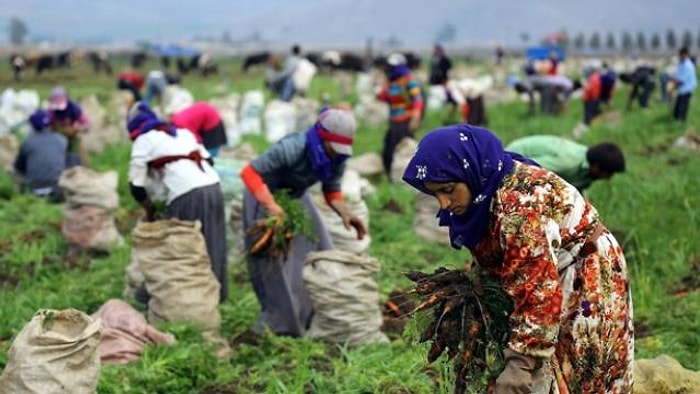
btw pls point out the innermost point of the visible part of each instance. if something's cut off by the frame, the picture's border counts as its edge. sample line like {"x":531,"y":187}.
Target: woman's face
{"x":329,"y":150}
{"x":452,"y":196}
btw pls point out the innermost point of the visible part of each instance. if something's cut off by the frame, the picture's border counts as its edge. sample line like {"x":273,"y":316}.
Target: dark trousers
{"x":680,"y":109}
{"x":642,"y":92}
{"x":397,"y":132}
{"x":591,"y":109}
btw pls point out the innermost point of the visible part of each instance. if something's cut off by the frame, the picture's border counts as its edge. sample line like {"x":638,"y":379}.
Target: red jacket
{"x":135,"y":78}
{"x":593,"y":87}
{"x":199,"y":117}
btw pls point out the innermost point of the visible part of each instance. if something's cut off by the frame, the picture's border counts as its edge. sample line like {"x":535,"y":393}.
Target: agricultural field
{"x":653,"y":209}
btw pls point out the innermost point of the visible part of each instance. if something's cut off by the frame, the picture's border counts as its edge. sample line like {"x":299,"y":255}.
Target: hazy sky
{"x":341,"y":21}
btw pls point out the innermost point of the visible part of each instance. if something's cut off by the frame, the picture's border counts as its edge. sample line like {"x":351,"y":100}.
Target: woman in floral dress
{"x":571,"y":327}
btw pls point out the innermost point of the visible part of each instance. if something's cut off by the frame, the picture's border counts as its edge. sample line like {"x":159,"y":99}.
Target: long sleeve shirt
{"x":562,"y":156}
{"x":198,"y":118}
{"x":286,"y":165}
{"x":175,"y":178}
{"x":404,"y":97}
{"x":686,"y":76}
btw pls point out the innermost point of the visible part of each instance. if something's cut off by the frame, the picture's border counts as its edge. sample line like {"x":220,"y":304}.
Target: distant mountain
{"x":327,"y":22}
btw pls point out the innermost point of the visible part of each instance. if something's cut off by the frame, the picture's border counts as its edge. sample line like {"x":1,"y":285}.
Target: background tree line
{"x":640,"y":41}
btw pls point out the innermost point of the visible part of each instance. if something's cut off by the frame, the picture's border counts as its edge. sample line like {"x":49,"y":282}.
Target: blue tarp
{"x":542,"y":52}
{"x":173,"y":50}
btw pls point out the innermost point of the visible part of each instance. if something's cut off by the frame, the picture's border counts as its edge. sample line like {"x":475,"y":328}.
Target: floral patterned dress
{"x":571,"y":295}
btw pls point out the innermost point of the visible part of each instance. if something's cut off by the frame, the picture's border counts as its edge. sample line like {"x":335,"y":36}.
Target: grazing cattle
{"x":343,"y":61}
{"x":100,"y":62}
{"x":255,"y":59}
{"x":182,"y":66}
{"x":44,"y":63}
{"x":413,"y":61}
{"x":18,"y":65}
{"x":314,"y":58}
{"x":63,"y":59}
{"x":204,"y":64}
{"x":138,"y":59}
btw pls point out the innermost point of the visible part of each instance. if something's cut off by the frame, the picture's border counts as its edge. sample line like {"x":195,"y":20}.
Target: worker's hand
{"x":273,"y":209}
{"x":354,"y":221}
{"x":516,"y":378}
{"x":414,"y":123}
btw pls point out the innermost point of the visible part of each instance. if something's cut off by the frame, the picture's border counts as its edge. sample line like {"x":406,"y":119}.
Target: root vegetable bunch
{"x":273,"y":236}
{"x":468,"y":319}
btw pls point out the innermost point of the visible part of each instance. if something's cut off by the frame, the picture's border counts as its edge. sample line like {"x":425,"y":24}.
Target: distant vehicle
{"x":541,"y":52}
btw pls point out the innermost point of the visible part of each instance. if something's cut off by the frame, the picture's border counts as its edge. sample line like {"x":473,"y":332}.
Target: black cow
{"x":100,"y":61}
{"x":413,"y":61}
{"x":345,"y":61}
{"x":182,"y":66}
{"x":255,"y":59}
{"x":63,"y":59}
{"x":18,"y":64}
{"x":138,"y":59}
{"x":204,"y":64}
{"x":165,"y":61}
{"x":44,"y":63}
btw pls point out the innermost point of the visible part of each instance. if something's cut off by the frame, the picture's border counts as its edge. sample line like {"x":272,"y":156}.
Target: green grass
{"x":653,"y":208}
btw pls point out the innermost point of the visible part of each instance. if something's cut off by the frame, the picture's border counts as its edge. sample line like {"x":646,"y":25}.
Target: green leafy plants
{"x":273,"y":235}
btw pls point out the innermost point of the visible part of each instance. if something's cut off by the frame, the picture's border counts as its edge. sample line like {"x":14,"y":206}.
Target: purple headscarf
{"x":398,"y":71}
{"x":141,"y":119}
{"x":462,"y":153}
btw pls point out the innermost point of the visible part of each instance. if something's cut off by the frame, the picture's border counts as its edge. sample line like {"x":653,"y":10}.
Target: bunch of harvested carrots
{"x":469,"y":321}
{"x":272,"y":236}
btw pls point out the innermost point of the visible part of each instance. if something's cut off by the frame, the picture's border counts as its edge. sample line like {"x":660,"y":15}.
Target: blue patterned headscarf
{"x":462,"y":153}
{"x":141,"y":119}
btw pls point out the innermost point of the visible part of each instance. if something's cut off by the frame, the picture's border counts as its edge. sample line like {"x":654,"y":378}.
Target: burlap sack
{"x":90,"y":228}
{"x":366,"y":164}
{"x":664,"y":375}
{"x":9,"y":147}
{"x":402,"y":155}
{"x":133,"y":279}
{"x":425,"y":223}
{"x":56,"y":352}
{"x":173,"y":258}
{"x":235,"y":234}
{"x":345,"y":298}
{"x":125,"y":333}
{"x":344,"y":239}
{"x":83,"y":186}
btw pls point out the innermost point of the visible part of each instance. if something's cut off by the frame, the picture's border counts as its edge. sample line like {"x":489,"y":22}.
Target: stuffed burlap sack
{"x":173,"y":259}
{"x":56,"y":352}
{"x":664,"y":375}
{"x":85,"y":187}
{"x":344,"y":239}
{"x":425,"y":222}
{"x":344,"y":296}
{"x":90,"y":228}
